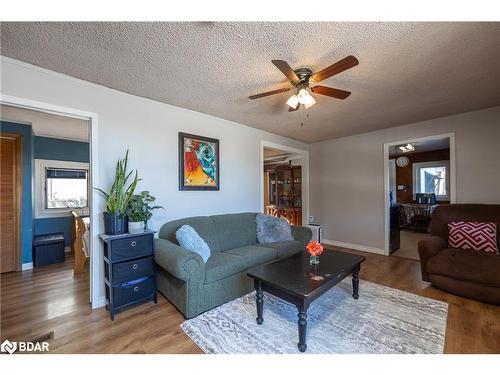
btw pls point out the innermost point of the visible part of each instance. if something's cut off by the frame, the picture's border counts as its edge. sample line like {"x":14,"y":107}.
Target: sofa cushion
{"x":272,"y":229}
{"x":203,"y":225}
{"x":190,"y":240}
{"x":467,"y":265}
{"x":235,"y":230}
{"x":473,"y":235}
{"x":255,"y":254}
{"x":446,"y":213}
{"x":285,"y":249}
{"x":224,"y":264}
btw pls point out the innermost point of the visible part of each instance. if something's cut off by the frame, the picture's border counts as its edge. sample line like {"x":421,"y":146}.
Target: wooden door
{"x":10,"y":201}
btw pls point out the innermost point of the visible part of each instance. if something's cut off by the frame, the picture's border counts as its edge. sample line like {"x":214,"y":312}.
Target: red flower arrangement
{"x":314,"y":248}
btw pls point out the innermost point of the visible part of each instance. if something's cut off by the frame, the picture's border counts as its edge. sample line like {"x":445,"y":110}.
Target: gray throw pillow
{"x":272,"y":229}
{"x":190,"y":240}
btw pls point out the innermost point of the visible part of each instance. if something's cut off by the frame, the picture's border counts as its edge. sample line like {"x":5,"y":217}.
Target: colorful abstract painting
{"x":198,"y":162}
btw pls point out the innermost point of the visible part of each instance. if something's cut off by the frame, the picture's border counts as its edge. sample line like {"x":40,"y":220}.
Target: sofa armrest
{"x":179,"y":262}
{"x":427,"y":248}
{"x":302,"y":234}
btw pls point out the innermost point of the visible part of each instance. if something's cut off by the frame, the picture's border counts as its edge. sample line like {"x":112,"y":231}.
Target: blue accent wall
{"x":27,"y":207}
{"x":59,"y":149}
{"x":55,"y":225}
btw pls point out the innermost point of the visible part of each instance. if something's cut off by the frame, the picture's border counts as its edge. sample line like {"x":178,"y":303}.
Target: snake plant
{"x":121,"y":193}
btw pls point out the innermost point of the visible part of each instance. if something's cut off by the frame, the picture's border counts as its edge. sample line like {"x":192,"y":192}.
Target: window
{"x":60,"y":186}
{"x":65,"y":188}
{"x":432,"y":177}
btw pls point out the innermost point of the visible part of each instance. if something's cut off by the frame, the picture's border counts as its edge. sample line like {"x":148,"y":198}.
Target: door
{"x":392,"y":181}
{"x":10,"y":203}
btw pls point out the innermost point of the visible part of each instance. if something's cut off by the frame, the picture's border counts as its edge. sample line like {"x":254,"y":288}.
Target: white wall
{"x":150,"y":130}
{"x":347,"y":183}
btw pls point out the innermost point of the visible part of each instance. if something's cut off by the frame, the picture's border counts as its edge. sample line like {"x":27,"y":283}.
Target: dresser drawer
{"x":134,"y":291}
{"x":133,"y":270}
{"x":131,"y":247}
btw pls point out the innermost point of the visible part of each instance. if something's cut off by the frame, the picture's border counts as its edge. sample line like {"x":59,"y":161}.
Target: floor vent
{"x":42,"y":338}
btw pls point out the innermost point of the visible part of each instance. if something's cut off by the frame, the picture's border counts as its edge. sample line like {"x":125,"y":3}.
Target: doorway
{"x":284,"y":182}
{"x":419,"y":176}
{"x":94,"y":269}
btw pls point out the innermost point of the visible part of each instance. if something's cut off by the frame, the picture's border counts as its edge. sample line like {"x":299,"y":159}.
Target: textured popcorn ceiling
{"x":408,"y":71}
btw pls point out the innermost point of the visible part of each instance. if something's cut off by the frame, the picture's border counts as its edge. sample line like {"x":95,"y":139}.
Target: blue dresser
{"x":129,"y":270}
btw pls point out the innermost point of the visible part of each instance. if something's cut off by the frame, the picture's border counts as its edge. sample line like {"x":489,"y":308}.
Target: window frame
{"x":430,"y":164}
{"x":40,"y":204}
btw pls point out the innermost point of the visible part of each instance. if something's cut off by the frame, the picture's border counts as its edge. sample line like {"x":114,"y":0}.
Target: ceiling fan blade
{"x":290,"y":109}
{"x":286,"y":70}
{"x":330,"y":91}
{"x":344,"y":64}
{"x":257,"y":96}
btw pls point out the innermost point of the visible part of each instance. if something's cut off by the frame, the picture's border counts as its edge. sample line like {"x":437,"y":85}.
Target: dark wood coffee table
{"x":295,"y":281}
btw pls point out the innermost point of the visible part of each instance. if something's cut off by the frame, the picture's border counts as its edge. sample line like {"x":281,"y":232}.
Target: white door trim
{"x":305,"y":174}
{"x":453,"y":176}
{"x":96,"y":273}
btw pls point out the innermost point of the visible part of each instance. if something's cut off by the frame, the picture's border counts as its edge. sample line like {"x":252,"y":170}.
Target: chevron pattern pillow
{"x":473,"y":235}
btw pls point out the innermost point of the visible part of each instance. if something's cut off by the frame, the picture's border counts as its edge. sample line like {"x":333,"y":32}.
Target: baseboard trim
{"x":354,"y":246}
{"x":101,"y":301}
{"x":26,"y":266}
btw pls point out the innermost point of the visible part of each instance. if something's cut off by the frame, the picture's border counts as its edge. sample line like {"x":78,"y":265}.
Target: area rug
{"x":382,"y":320}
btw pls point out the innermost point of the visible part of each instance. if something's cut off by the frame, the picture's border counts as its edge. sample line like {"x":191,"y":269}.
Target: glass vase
{"x":314,"y":259}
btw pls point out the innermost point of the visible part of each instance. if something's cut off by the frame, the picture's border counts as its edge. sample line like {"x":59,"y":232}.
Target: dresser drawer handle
{"x":133,"y":243}
{"x":136,"y":288}
{"x":134,"y":266}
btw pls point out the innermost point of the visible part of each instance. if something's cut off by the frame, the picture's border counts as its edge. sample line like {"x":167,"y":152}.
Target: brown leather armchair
{"x":468,"y":273}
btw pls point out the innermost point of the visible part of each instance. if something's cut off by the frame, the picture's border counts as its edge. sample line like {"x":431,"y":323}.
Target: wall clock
{"x":402,"y":161}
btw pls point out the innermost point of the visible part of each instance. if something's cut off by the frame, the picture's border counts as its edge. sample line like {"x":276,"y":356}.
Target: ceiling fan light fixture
{"x":293,"y":101}
{"x":306,"y":98}
{"x":307,"y":106}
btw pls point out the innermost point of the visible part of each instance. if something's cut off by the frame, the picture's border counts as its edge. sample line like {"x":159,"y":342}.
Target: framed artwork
{"x":198,"y":162}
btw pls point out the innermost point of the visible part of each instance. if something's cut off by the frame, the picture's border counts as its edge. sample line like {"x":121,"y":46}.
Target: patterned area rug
{"x":382,"y":320}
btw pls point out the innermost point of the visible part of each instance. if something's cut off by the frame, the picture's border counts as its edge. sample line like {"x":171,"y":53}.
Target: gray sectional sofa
{"x":195,"y":287}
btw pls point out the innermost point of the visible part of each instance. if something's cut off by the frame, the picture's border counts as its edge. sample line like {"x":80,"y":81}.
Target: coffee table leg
{"x":302,"y":330}
{"x":259,"y":298}
{"x":355,"y":282}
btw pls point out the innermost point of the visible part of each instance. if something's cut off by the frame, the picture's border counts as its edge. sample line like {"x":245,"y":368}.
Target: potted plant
{"x":139,"y":211}
{"x":118,"y":198}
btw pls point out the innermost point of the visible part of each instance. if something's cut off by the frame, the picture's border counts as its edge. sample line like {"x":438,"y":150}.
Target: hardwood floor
{"x":36,"y":302}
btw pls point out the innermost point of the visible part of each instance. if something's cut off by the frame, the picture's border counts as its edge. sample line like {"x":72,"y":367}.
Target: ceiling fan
{"x":302,"y":79}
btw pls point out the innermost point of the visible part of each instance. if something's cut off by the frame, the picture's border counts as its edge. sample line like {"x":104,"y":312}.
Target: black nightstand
{"x":129,"y":270}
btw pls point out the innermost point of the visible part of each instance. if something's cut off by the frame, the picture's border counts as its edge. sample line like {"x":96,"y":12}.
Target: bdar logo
{"x":8,"y":347}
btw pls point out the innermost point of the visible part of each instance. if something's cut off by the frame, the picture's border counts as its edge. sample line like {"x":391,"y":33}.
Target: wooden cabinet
{"x":284,"y":193}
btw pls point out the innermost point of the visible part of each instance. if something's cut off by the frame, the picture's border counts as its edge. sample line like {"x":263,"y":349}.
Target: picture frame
{"x":199,"y":162}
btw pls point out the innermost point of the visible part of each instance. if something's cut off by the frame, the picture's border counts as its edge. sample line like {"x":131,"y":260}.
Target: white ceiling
{"x":408,"y":72}
{"x":273,"y":153}
{"x":48,"y":125}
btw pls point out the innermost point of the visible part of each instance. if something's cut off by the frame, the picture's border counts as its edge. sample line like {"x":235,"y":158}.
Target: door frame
{"x":453,"y":176}
{"x":18,"y":194}
{"x":305,"y":175}
{"x":96,"y":272}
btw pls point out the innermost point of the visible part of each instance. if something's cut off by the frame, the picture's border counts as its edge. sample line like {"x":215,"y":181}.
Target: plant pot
{"x":114,"y":223}
{"x":136,"y":226}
